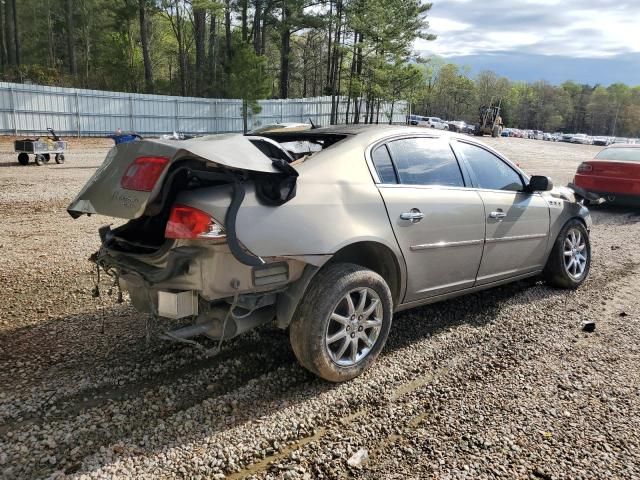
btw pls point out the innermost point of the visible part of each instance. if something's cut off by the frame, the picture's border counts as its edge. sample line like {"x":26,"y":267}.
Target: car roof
{"x":624,"y":145}
{"x":371,"y":132}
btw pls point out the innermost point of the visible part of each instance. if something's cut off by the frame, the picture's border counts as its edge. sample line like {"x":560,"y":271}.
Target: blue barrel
{"x":125,"y":138}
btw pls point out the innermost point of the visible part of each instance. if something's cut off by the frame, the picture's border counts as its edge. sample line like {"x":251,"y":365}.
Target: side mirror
{"x":539,"y":183}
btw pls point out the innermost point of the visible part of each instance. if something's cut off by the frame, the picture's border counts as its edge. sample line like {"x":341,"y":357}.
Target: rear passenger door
{"x":438,"y":222}
{"x":517,"y":222}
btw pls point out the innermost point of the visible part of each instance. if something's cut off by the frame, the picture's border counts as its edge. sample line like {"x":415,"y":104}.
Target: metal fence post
{"x":78,"y":112}
{"x":177,"y":119}
{"x":131,"y":120}
{"x":13,"y":111}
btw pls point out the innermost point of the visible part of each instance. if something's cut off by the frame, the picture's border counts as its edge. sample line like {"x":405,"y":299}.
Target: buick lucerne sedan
{"x":327,"y":232}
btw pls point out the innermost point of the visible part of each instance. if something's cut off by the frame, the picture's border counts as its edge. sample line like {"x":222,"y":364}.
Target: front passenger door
{"x":517,"y":222}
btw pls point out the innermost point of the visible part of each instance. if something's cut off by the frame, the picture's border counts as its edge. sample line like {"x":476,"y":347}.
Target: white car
{"x":582,"y":138}
{"x":435,"y":122}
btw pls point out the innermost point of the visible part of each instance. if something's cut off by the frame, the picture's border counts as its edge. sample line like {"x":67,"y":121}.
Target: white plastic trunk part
{"x":177,"y":305}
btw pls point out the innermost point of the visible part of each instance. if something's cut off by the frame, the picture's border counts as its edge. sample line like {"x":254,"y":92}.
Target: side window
{"x":383,"y":165}
{"x":490,"y":171}
{"x":425,"y":161}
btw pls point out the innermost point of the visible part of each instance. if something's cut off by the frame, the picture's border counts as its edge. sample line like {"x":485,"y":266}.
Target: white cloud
{"x":575,"y":28}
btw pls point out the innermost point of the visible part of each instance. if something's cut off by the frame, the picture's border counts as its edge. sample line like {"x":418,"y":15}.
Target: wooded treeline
{"x":247,"y":49}
{"x":356,"y":51}
{"x":449,"y":91}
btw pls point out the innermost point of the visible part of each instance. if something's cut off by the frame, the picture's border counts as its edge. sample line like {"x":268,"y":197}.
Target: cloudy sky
{"x":585,"y":40}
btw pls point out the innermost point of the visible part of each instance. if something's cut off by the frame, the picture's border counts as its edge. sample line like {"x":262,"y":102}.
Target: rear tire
{"x":328,"y":327}
{"x":60,"y":158}
{"x":570,"y":259}
{"x":23,"y":158}
{"x":40,"y":160}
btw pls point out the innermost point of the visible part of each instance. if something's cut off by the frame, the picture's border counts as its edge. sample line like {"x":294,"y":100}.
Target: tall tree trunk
{"x":243,"y":16}
{"x":3,"y":46}
{"x":182,"y":54}
{"x":199,"y":27}
{"x":16,"y":31}
{"x":329,"y":51}
{"x":211,"y":56}
{"x":358,"y":75}
{"x":305,"y":65}
{"x":10,"y":32}
{"x":263,"y":29}
{"x":334,"y":64}
{"x":351,"y":75}
{"x":285,"y":51}
{"x":71,"y":48}
{"x":393,"y":103}
{"x":227,"y":31}
{"x":51,"y":43}
{"x":144,"y":40}
{"x":256,"y":27}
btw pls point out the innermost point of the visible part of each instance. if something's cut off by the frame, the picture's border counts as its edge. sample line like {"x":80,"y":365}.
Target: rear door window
{"x":425,"y":161}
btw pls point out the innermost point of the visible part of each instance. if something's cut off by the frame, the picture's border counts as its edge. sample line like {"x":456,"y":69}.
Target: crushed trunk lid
{"x":104,"y":195}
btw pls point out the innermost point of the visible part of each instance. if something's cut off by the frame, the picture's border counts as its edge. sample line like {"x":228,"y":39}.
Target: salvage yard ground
{"x":502,"y":383}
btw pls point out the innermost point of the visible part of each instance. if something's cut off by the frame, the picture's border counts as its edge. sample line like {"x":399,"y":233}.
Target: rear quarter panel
{"x":336,"y":204}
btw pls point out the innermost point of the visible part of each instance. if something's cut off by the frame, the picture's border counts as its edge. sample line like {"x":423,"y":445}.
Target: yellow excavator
{"x":489,"y":120}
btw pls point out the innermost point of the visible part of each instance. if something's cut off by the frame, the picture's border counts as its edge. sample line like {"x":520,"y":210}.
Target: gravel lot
{"x":502,"y":383}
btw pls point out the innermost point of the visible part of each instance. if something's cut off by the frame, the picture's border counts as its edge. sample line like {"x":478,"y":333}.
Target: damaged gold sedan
{"x":326,"y":231}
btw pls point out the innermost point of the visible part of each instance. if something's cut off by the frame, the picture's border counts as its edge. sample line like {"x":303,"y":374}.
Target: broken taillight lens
{"x":189,"y":222}
{"x":585,"y":168}
{"x":143,"y":173}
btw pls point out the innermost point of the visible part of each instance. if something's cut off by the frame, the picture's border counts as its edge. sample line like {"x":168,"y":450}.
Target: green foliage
{"x":251,"y":49}
{"x":248,"y":79}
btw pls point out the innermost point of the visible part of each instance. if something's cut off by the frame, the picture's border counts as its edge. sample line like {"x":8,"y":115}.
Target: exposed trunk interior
{"x":145,"y":234}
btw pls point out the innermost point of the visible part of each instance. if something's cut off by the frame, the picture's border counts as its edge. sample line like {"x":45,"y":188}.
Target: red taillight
{"x":143,"y":173}
{"x":584,"y":168}
{"x":189,"y":222}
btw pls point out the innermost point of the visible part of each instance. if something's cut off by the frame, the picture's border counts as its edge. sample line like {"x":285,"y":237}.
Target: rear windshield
{"x":624,"y":154}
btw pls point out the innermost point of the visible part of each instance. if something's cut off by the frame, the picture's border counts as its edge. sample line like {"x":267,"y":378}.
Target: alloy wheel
{"x":575,"y":253}
{"x":354,"y":326}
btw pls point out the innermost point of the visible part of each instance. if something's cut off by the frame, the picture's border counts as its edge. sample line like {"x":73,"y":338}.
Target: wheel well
{"x":374,"y":256}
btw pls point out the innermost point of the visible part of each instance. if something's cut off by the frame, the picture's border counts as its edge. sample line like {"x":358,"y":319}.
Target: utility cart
{"x":41,"y":148}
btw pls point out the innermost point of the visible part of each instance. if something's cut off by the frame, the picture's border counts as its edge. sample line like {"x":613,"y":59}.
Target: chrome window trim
{"x":451,"y":187}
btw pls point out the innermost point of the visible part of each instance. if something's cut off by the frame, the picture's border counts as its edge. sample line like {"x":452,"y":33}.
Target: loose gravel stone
{"x":502,"y":383}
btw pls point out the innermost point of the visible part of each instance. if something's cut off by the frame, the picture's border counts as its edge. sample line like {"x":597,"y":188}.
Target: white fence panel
{"x":29,"y":109}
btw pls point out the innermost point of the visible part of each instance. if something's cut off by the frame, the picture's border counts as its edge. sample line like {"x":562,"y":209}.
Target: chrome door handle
{"x":414,"y":216}
{"x":497,"y":215}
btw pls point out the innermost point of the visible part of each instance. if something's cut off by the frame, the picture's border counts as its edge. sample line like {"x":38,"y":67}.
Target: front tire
{"x":570,"y":259}
{"x":342,"y":322}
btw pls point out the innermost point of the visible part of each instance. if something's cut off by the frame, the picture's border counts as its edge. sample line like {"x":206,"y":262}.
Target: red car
{"x":614,"y":173}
